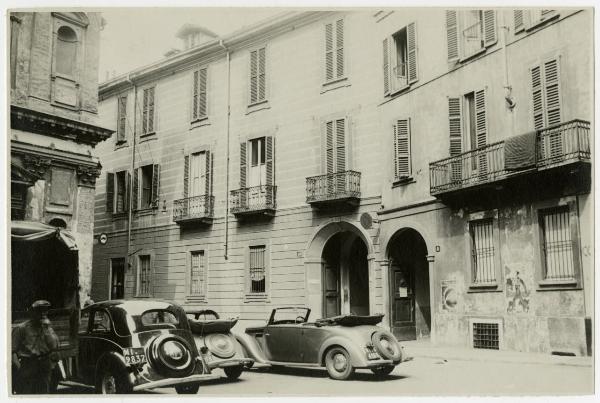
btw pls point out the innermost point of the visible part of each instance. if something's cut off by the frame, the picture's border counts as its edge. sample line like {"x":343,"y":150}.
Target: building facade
{"x":54,"y":128}
{"x":432,"y":165}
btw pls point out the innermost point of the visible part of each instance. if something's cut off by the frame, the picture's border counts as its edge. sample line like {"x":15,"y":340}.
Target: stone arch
{"x":387,"y":237}
{"x":313,"y":261}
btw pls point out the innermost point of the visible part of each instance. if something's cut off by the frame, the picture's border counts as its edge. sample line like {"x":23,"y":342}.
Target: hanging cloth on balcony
{"x":35,"y":231}
{"x":519,"y":151}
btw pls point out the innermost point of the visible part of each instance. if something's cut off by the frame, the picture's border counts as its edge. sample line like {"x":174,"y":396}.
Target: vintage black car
{"x":218,"y":347}
{"x":340,"y":344}
{"x":129,"y":346}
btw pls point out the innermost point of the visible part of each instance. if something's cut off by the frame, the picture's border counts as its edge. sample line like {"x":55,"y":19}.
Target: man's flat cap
{"x":41,"y":304}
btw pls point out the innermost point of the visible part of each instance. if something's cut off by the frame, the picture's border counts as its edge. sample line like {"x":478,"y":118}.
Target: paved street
{"x":422,"y":376}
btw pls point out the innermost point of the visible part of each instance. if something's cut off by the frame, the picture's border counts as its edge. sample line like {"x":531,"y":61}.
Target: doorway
{"x":410,"y":306}
{"x":345,"y":276}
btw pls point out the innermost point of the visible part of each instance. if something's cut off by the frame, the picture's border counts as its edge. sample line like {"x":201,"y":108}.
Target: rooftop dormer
{"x":193,"y":35}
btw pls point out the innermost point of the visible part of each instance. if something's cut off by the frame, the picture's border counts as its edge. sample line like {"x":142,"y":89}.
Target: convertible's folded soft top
{"x":351,"y":320}
{"x":211,"y":326}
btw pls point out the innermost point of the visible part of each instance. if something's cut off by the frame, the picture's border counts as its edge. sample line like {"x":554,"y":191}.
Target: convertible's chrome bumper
{"x":231,"y":362}
{"x":174,"y":381}
{"x":377,"y":363}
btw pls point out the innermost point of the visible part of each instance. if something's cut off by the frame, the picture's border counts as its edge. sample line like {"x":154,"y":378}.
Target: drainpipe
{"x":226,"y":246}
{"x":131,"y":190}
{"x":510,"y":102}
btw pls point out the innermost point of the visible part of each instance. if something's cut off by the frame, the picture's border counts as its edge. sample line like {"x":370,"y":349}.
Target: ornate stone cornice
{"x":36,"y":164}
{"x":56,"y":126}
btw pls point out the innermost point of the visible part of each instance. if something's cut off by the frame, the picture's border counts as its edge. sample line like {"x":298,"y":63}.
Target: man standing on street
{"x":32,"y":343}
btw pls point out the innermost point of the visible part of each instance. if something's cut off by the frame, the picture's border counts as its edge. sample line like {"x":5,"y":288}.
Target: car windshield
{"x":289,"y":315}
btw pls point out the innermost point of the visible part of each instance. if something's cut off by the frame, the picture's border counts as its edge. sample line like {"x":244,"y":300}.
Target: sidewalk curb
{"x":541,"y":360}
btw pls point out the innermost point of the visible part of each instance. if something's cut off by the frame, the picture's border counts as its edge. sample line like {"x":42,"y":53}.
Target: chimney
{"x":193,"y":35}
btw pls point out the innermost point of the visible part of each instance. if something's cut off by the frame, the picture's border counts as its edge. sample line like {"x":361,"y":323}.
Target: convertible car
{"x":216,"y":344}
{"x":341,"y":344}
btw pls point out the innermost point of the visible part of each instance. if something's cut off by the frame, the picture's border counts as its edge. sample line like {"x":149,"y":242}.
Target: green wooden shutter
{"x":452,"y":35}
{"x":186,"y":176}
{"x":127,"y":191}
{"x":110,"y":192}
{"x":411,"y":34}
{"x":243,"y":165}
{"x":402,"y":160}
{"x":253,"y":76}
{"x":262,"y":80}
{"x":552,"y":91}
{"x":489,"y":28}
{"x":202,"y":93}
{"x":151,"y":110}
{"x":269,"y":159}
{"x":145,"y":112}
{"x":455,"y":126}
{"x":386,"y":66}
{"x":329,"y":147}
{"x":135,"y":189}
{"x":339,"y":44}
{"x":196,"y":92}
{"x":155,"y":185}
{"x":538,"y":98}
{"x":481,"y":129}
{"x":340,"y":145}
{"x":519,"y":20}
{"x":208,"y":176}
{"x":329,"y":53}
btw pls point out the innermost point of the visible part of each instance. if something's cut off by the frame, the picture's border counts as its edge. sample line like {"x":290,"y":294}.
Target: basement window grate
{"x":486,"y":336}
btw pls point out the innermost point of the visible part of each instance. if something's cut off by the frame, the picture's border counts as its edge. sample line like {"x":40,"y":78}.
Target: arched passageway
{"x":410,"y":306}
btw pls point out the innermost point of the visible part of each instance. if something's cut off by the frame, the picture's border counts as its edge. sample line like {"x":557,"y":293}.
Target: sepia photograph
{"x":287,"y":202}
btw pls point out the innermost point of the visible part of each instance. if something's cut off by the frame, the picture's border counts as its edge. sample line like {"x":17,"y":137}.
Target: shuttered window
{"x":122,"y":119}
{"x":146,"y":181}
{"x":335,"y":146}
{"x":257,"y":269}
{"x":117,"y":192}
{"x":528,"y":19}
{"x":482,"y":251}
{"x":144,"y":276}
{"x":258,"y":84}
{"x":469,"y":32}
{"x":546,"y":93}
{"x":400,"y":67}
{"x":455,"y":134}
{"x":557,"y":244}
{"x":148,"y":112}
{"x":199,"y":94}
{"x":197,"y":273}
{"x":334,"y":50}
{"x":402,"y":156}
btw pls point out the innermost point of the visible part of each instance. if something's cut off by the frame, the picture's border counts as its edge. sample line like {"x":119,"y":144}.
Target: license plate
{"x":134,"y":355}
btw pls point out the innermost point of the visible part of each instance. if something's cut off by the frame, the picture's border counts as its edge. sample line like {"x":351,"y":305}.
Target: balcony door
{"x":257,"y":172}
{"x":197,"y":183}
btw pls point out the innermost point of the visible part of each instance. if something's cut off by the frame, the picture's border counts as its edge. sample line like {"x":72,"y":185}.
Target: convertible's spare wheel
{"x":387,"y":346}
{"x":171,"y":356}
{"x":220,"y":345}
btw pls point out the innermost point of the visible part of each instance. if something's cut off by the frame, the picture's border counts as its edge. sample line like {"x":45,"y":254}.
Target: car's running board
{"x":294,"y":364}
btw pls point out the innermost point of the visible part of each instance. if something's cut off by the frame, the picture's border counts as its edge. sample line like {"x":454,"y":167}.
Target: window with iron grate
{"x":557,"y":244}
{"x":257,"y":269}
{"x":486,"y":336}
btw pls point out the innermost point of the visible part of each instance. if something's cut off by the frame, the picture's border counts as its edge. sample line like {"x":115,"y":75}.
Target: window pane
{"x":198,"y":273}
{"x":483,"y":251}
{"x":257,"y":269}
{"x":147,"y":186}
{"x":558,"y":245}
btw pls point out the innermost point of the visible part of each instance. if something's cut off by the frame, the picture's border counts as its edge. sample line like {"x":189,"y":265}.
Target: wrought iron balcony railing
{"x":255,"y":199}
{"x":339,"y":186}
{"x":555,"y":145}
{"x":198,"y":208}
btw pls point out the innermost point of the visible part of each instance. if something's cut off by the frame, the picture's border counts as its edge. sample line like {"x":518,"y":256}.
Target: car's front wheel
{"x":337,"y":363}
{"x":112,"y":381}
{"x":383,"y":371}
{"x":190,"y":389}
{"x":233,"y":373}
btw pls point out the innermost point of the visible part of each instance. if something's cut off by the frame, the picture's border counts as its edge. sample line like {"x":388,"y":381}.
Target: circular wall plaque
{"x":366,"y":220}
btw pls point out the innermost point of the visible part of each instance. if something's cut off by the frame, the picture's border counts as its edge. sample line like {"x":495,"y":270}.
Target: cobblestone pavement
{"x":420,"y":377}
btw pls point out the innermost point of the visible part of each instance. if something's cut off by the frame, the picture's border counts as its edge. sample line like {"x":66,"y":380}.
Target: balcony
{"x":554,"y":157}
{"x":196,"y":209}
{"x":340,"y":188}
{"x":256,"y":200}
